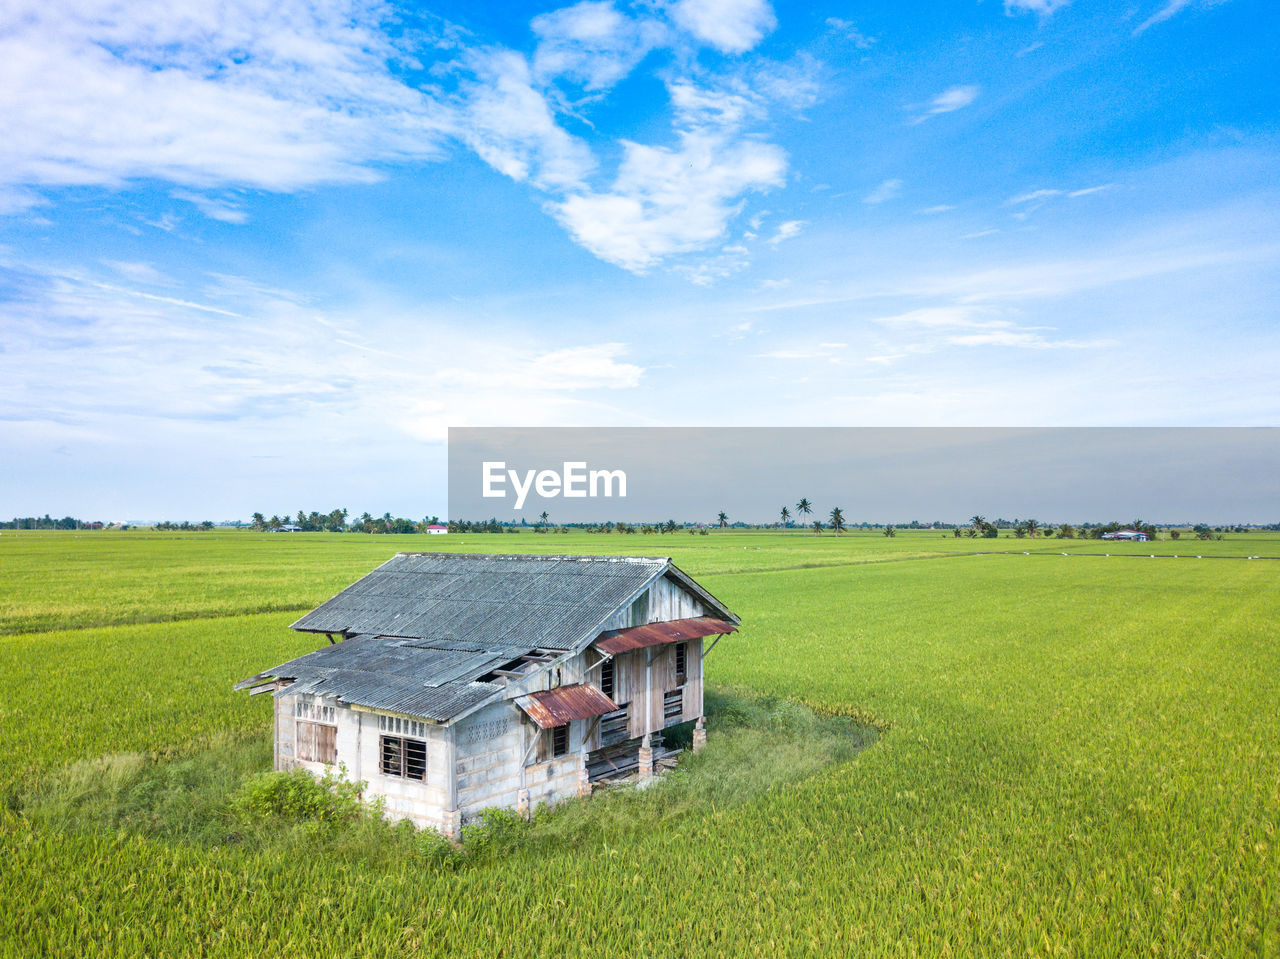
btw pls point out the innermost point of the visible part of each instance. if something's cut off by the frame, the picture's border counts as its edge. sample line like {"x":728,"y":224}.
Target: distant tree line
{"x":48,"y":522}
{"x":335,"y":521}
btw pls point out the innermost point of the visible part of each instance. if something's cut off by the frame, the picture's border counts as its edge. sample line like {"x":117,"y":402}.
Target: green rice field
{"x":1056,"y":755}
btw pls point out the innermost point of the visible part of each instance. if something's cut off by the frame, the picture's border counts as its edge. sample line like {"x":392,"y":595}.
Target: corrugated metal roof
{"x":395,"y":675}
{"x":552,"y":602}
{"x":425,"y":627}
{"x":616,"y":641}
{"x":555,"y":707}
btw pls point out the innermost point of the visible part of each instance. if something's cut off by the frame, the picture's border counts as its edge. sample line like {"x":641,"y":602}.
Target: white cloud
{"x":512,"y":127}
{"x":1042,"y":7}
{"x":795,"y":83}
{"x":1089,"y":190}
{"x":14,"y":199}
{"x":96,"y":359}
{"x":282,"y":95}
{"x":971,"y":325}
{"x":1033,"y":200}
{"x":669,"y":201}
{"x":949,"y":100}
{"x":849,"y":31}
{"x":731,"y":26}
{"x":787,"y":354}
{"x":884,"y":192}
{"x":1034,"y":196}
{"x":574,"y":368}
{"x":271,"y":94}
{"x":137,"y":272}
{"x":942,"y":317}
{"x":591,"y":43}
{"x":934,"y":210}
{"x":1024,"y":340}
{"x":697,"y":106}
{"x":787,"y":230}
{"x":1170,"y":9}
{"x":215,"y":209}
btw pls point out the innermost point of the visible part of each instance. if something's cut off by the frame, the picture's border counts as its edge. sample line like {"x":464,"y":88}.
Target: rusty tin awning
{"x":616,"y":641}
{"x":555,"y":707}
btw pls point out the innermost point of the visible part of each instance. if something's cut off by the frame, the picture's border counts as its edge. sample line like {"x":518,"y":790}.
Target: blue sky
{"x":262,"y":256}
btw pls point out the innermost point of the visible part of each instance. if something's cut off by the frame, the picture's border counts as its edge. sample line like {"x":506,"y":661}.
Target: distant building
{"x":435,"y":529}
{"x":1133,"y":535}
{"x":287,"y":528}
{"x":463,"y":682}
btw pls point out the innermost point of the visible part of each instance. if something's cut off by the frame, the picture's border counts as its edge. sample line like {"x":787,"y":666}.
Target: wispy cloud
{"x":974,"y":325}
{"x":935,"y":210}
{"x":271,"y":95}
{"x":592,"y":44}
{"x":796,"y":354}
{"x":1171,"y":9}
{"x":215,"y":209}
{"x":137,"y":272}
{"x":850,"y":31}
{"x":1042,"y":7}
{"x":283,"y":96}
{"x":1034,"y":196}
{"x":731,"y":26}
{"x":949,"y":100}
{"x":97,"y":357}
{"x":1021,"y":339}
{"x":787,"y":230}
{"x":1033,"y":200}
{"x":666,"y":201}
{"x":886,"y":191}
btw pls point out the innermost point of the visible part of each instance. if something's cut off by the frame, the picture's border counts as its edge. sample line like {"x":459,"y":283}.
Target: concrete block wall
{"x":359,"y":751}
{"x":492,"y":749}
{"x":423,"y":802}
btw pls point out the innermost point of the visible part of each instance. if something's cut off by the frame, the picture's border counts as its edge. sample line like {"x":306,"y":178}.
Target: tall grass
{"x":1081,"y":757}
{"x":63,"y":580}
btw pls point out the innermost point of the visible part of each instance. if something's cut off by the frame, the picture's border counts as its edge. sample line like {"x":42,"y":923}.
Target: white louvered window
{"x":402,"y":727}
{"x":314,"y":712}
{"x":401,"y":750}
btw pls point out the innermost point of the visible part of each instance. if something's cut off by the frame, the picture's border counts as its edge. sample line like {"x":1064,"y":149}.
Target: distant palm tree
{"x":786,"y":515}
{"x":1032,"y":528}
{"x":723,"y":519}
{"x":817,"y":527}
{"x":837,"y":520}
{"x":804,"y":508}
{"x":671,"y":526}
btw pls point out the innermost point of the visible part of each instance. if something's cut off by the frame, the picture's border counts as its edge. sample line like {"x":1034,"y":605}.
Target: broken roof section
{"x":432,"y":634}
{"x":616,"y":641}
{"x":394,"y":675}
{"x":555,"y":707}
{"x":448,"y":599}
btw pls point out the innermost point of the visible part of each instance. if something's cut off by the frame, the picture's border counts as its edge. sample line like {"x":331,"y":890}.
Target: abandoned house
{"x":454,"y":683}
